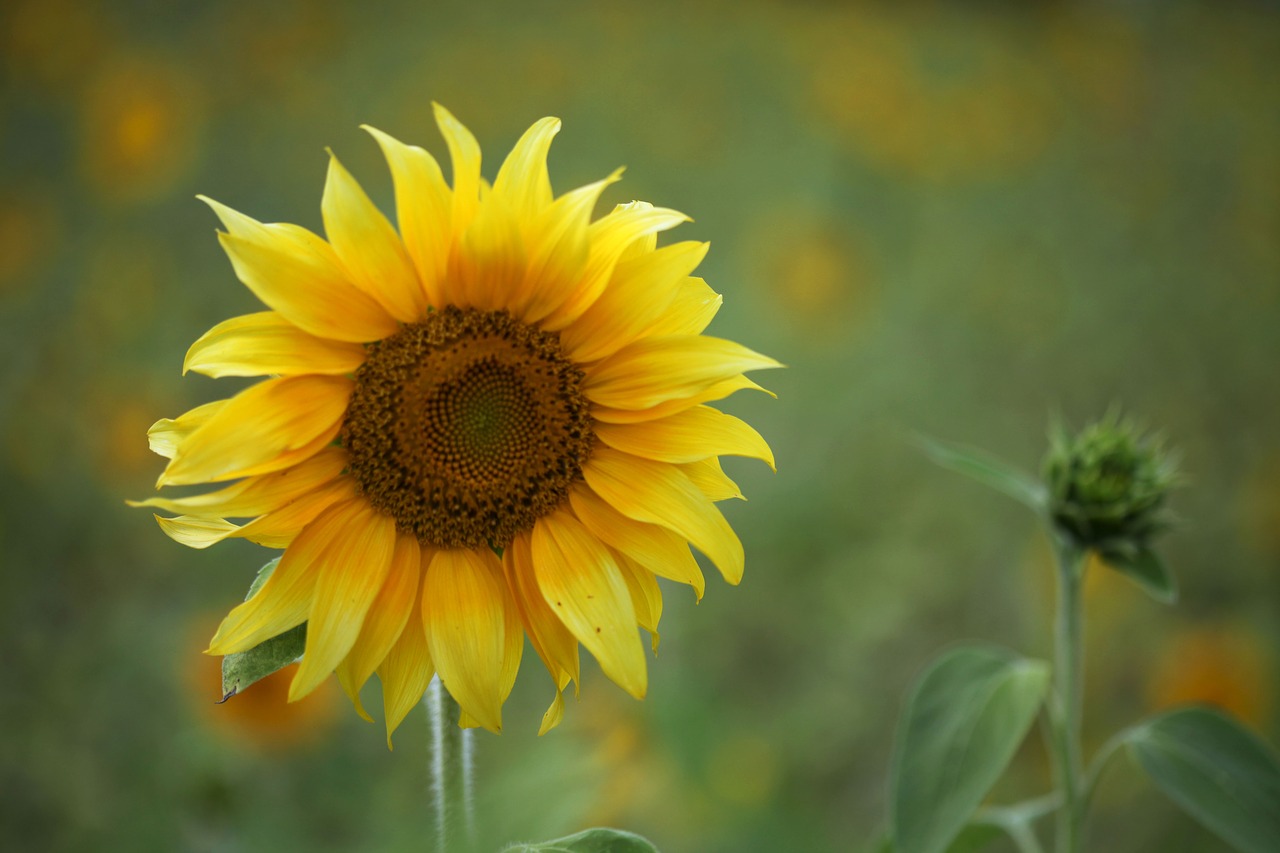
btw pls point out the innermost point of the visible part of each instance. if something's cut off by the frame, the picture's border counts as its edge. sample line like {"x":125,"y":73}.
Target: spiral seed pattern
{"x":467,"y":427}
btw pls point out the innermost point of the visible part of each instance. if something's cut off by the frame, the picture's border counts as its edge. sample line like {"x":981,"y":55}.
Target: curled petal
{"x":167,"y":434}
{"x":554,"y":714}
{"x":711,"y":479}
{"x":690,"y":311}
{"x":645,"y":595}
{"x":266,"y":343}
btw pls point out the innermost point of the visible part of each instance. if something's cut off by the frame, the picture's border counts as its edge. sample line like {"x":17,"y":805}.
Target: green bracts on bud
{"x":1108,"y":486}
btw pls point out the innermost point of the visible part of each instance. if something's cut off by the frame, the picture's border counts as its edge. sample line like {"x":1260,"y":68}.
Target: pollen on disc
{"x":467,"y":427}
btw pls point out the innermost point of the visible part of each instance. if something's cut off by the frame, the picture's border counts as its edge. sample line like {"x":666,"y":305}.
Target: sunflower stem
{"x":1068,"y":690}
{"x":452,"y":772}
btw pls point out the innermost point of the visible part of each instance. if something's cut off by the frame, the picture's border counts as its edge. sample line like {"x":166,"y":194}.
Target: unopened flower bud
{"x":1108,"y":486}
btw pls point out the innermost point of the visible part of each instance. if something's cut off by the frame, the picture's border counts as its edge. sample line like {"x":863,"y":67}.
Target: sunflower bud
{"x":1108,"y":486}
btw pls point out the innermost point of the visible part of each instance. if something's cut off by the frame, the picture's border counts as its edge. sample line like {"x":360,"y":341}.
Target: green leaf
{"x":242,"y":669}
{"x":598,"y":840}
{"x":1147,"y":570}
{"x":1218,"y":771}
{"x":988,"y":470}
{"x":962,"y":725}
{"x":263,"y":574}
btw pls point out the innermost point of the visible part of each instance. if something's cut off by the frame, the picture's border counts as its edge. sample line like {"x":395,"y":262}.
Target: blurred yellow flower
{"x":142,"y":122}
{"x":502,"y":375}
{"x":259,"y":718}
{"x":1214,"y":665}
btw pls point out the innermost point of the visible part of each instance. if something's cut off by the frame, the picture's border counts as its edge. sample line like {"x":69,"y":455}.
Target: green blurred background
{"x":955,"y":220}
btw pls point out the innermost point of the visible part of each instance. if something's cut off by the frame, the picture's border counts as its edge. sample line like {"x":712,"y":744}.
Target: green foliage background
{"x":948,"y":219}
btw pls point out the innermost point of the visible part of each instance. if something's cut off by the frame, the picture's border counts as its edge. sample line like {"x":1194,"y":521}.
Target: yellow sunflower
{"x":491,"y":424}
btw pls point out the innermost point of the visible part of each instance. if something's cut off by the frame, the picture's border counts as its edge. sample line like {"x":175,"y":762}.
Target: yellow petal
{"x":196,"y":532}
{"x":718,"y":391}
{"x":266,"y":343}
{"x":646,"y":597}
{"x":581,"y":582}
{"x":369,"y":247}
{"x":407,"y":670}
{"x":167,"y":434}
{"x":387,"y":616}
{"x":659,"y":550}
{"x":464,"y":615}
{"x":638,"y":293}
{"x":558,"y":251}
{"x":547,"y":634}
{"x":711,"y":479}
{"x":255,"y":496}
{"x":285,"y":599}
{"x":278,"y":529}
{"x":423,"y":210}
{"x":350,"y":574}
{"x":297,"y":274}
{"x":687,"y":436}
{"x":523,"y":177}
{"x":256,"y":430}
{"x":464,"y":152}
{"x":553,"y":715}
{"x":513,"y":642}
{"x":691,"y":310}
{"x":490,"y":260}
{"x":655,"y":370}
{"x":609,"y":238}
{"x":660,"y":493}
{"x":639,"y":247}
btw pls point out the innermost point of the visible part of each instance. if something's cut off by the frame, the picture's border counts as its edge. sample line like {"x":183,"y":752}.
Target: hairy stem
{"x":452,"y":786}
{"x":1068,"y":695}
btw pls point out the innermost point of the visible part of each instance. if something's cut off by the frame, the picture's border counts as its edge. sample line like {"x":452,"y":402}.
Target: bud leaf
{"x":988,"y":470}
{"x":1146,"y":569}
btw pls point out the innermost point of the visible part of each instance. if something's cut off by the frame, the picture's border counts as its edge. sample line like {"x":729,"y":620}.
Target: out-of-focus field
{"x":955,"y":220}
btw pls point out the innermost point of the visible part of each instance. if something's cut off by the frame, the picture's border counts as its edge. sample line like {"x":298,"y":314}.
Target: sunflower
{"x":491,"y":424}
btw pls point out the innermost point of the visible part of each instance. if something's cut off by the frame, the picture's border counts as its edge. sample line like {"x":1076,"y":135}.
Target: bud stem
{"x":1068,"y":687}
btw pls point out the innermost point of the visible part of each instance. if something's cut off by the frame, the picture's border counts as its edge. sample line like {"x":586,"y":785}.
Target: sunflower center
{"x":467,"y":427}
